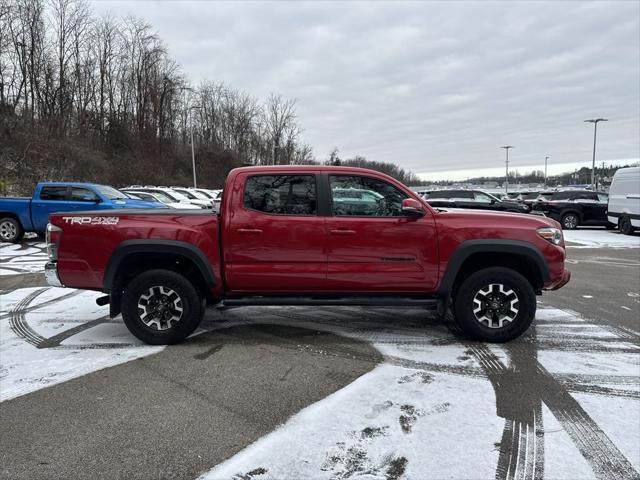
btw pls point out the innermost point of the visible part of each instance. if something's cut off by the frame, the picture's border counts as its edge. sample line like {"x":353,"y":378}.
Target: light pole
{"x":506,"y":176}
{"x":545,"y":171}
{"x":593,"y":165}
{"x":193,"y":154}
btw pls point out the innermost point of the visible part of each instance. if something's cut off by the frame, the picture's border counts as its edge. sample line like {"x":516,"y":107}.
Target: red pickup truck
{"x":310,"y":235}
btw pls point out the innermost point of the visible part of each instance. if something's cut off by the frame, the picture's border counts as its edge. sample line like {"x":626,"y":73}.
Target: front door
{"x":275,"y":242}
{"x":373,"y":247}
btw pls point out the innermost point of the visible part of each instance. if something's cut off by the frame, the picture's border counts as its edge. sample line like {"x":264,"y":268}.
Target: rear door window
{"x":53,"y":193}
{"x":281,"y":194}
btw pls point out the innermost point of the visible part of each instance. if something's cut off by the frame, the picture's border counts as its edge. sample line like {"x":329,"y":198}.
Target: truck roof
{"x":72,"y":184}
{"x":302,"y":168}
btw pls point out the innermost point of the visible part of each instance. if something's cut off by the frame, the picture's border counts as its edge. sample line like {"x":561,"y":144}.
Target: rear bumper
{"x":51,"y":274}
{"x":566,"y":276}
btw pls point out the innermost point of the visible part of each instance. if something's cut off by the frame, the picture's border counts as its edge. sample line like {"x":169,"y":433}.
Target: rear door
{"x":275,"y":241}
{"x":373,"y":247}
{"x":52,"y":198}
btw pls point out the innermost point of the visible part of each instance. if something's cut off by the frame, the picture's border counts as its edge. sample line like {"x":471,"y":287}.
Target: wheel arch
{"x":13,"y":215}
{"x":474,"y":255}
{"x":132,"y":257}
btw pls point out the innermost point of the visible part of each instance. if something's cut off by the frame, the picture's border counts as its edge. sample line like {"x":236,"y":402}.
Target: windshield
{"x":186,"y":193}
{"x":110,"y":192}
{"x":205,"y":194}
{"x":175,"y":196}
{"x":198,"y":195}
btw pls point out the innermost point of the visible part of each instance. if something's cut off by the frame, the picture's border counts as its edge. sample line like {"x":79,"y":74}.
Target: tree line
{"x":100,"y":99}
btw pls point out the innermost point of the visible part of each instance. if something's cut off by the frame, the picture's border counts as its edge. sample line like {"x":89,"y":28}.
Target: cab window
{"x":364,"y":196}
{"x":281,"y":194}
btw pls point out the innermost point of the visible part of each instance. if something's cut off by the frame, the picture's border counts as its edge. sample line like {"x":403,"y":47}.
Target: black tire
{"x":11,"y":230}
{"x":625,"y":226}
{"x":157,"y":284}
{"x":522,"y":312}
{"x":570,"y":221}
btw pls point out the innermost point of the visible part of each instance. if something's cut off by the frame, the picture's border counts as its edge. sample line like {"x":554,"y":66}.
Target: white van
{"x":624,"y":200}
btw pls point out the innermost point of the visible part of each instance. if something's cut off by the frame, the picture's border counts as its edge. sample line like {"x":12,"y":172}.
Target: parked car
{"x":193,"y":194}
{"x":21,"y":215}
{"x":175,"y":196}
{"x":574,"y":208}
{"x":160,"y":197}
{"x":472,"y":199}
{"x":624,"y":200}
{"x":281,"y":238}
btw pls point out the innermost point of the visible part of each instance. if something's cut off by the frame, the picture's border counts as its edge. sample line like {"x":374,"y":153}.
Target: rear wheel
{"x":10,"y":230}
{"x":570,"y":221}
{"x":495,"y":304}
{"x":161,"y":307}
{"x":625,"y":226}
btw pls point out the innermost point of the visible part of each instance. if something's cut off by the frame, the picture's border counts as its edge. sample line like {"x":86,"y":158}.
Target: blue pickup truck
{"x":20,"y":215}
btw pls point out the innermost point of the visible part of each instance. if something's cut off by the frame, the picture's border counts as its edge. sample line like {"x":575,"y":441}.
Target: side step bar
{"x":334,"y":301}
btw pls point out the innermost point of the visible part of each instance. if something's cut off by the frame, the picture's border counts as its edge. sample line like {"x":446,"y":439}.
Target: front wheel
{"x":10,"y":230}
{"x":495,"y":304}
{"x":161,"y":307}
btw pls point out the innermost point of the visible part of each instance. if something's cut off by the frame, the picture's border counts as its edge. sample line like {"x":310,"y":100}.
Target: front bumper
{"x":51,"y":274}
{"x":566,"y":276}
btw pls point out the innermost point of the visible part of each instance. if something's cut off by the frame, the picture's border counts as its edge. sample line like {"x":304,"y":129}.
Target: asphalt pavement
{"x":177,"y":413}
{"x":604,"y":286}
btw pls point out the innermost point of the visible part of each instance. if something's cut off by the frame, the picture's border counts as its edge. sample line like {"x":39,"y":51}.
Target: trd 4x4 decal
{"x":91,"y":220}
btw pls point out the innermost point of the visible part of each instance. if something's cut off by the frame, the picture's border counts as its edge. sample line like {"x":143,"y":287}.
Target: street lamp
{"x":593,"y":165}
{"x":193,"y":154}
{"x":545,"y":171}
{"x":506,"y":176}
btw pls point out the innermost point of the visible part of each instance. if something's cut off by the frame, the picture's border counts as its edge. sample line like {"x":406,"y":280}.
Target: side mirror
{"x":412,"y":208}
{"x":492,"y":201}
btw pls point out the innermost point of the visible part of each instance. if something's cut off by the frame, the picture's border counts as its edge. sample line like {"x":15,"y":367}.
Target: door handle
{"x":250,"y":231}
{"x":343,"y":231}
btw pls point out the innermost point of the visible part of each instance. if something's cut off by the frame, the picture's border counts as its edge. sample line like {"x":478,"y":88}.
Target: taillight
{"x":53,"y":239}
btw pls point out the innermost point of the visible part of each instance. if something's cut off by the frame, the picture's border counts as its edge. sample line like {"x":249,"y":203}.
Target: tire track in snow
{"x":604,"y":458}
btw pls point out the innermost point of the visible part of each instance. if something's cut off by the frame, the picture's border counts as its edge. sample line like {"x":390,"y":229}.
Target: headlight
{"x":553,"y":235}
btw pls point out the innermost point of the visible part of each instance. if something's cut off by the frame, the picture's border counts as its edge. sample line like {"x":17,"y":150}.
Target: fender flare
{"x":131,"y":247}
{"x":471,"y":247}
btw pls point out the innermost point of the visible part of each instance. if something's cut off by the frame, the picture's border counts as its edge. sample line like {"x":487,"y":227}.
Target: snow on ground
{"x":51,"y":335}
{"x":560,"y":400}
{"x":25,"y":257}
{"x":442,"y":409}
{"x":601,"y":238}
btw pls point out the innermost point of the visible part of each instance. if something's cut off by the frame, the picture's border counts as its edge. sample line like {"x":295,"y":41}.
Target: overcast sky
{"x":434,"y":87}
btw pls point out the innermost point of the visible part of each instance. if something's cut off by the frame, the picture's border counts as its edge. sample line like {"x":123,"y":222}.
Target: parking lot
{"x":325,"y":392}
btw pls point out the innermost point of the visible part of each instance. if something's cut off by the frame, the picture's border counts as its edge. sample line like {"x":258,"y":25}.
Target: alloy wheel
{"x":8,"y":230}
{"x":496,"y":305}
{"x":570,"y":222}
{"x":160,"y":308}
